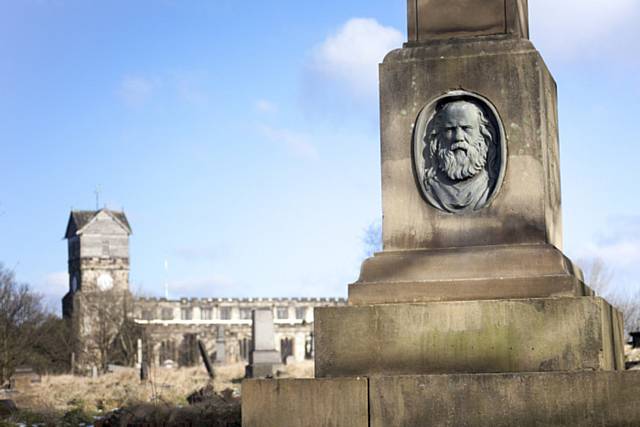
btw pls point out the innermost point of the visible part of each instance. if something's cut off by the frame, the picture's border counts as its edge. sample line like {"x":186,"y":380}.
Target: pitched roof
{"x":79,"y":219}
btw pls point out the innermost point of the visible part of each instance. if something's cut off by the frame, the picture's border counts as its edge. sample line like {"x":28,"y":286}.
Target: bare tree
{"x":600,"y":278}
{"x":372,"y":238}
{"x":21,"y":318}
{"x":107,"y":329}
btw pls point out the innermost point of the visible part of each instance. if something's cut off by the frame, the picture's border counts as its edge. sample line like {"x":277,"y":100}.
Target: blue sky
{"x":241,"y":138}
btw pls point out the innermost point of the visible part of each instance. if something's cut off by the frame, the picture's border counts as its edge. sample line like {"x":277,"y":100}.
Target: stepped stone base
{"x":340,"y":402}
{"x":557,"y":399}
{"x":529,"y":335}
{"x":472,"y":273}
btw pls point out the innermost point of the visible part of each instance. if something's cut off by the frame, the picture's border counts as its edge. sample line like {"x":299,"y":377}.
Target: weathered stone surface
{"x":263,"y":354}
{"x":305,"y":403}
{"x":551,"y":334}
{"x":511,"y":75}
{"x":576,"y":399}
{"x":440,"y":19}
{"x":467,"y":273}
{"x":469,"y":289}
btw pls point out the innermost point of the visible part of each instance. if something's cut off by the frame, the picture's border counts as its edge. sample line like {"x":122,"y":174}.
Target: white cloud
{"x":56,"y":283}
{"x":571,"y":27}
{"x":190,"y":86}
{"x":297,"y":143}
{"x":619,"y":250}
{"x":265,"y":106}
{"x":202,"y":287}
{"x":135,"y":90}
{"x":352,"y":54}
{"x":197,"y":253}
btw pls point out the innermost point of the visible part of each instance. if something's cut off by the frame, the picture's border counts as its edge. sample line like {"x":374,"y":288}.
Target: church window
{"x":245,"y":313}
{"x":186,"y":313}
{"x":167,"y":314}
{"x":106,"y":252}
{"x":301,"y":313}
{"x":225,"y":313}
{"x":206,"y":313}
{"x":147,"y":315}
{"x":282,"y":312}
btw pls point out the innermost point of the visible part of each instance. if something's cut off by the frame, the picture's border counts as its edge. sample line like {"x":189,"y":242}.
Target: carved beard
{"x":459,"y":165}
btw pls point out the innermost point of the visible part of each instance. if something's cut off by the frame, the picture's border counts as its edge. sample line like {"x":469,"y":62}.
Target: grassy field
{"x":71,"y":400}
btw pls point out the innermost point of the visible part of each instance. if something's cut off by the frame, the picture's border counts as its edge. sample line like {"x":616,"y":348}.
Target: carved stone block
{"x":440,"y":19}
{"x":305,"y":403}
{"x":529,"y":335}
{"x":513,"y":84}
{"x":558,"y":399}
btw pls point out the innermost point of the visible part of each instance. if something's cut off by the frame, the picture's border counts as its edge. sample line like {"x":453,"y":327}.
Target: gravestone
{"x":23,"y":379}
{"x":471,"y":314}
{"x":263,"y":356}
{"x":220,"y":348}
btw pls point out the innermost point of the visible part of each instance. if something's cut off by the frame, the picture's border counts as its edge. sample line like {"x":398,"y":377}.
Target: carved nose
{"x":458,"y":134}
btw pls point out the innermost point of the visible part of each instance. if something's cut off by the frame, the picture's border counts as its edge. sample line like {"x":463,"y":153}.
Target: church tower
{"x":98,"y":262}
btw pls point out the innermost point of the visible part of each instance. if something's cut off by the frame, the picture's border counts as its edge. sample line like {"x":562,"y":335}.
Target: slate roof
{"x":79,"y":219}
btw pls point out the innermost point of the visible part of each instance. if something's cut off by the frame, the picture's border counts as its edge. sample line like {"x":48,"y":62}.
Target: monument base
{"x":556,"y":399}
{"x":471,"y":273}
{"x":527,"y":335}
{"x":262,"y":363}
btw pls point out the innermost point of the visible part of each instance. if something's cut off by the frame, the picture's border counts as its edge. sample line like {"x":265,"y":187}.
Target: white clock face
{"x":105,"y":282}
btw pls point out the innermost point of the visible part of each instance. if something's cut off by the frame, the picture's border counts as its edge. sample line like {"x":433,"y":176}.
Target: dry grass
{"x":166,"y":388}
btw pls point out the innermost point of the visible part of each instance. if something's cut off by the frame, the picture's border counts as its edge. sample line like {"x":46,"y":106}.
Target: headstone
{"x":139,"y":353}
{"x":144,"y":372}
{"x":205,"y":359}
{"x":220,"y":347}
{"x":263,"y":356}
{"x":23,"y":378}
{"x":635,"y":339}
{"x":471,"y":314}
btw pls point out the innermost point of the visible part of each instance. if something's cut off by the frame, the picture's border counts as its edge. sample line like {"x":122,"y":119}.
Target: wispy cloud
{"x":190,"y":87}
{"x":297,"y":143}
{"x":351,"y":55}
{"x":56,"y":282}
{"x":265,"y":106}
{"x":213,"y":285}
{"x":135,"y":91}
{"x":197,"y":253}
{"x":575,"y":28}
{"x":618,"y":247}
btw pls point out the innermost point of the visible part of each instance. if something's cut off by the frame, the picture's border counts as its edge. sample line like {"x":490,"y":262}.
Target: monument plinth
{"x":471,"y":314}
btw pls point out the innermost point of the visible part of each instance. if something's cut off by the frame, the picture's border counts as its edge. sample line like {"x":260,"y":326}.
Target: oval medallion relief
{"x":459,"y":152}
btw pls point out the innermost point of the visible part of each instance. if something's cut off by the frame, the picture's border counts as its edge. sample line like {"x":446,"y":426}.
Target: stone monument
{"x":263,"y":355}
{"x":471,"y":315}
{"x":221,"y":351}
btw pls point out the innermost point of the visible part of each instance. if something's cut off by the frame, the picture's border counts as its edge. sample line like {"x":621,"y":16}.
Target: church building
{"x":110,"y":325}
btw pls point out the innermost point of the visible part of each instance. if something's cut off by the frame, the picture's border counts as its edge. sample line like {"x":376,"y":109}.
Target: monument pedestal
{"x":552,"y":399}
{"x":471,"y":315}
{"x":532,"y":335}
{"x":467,"y":273}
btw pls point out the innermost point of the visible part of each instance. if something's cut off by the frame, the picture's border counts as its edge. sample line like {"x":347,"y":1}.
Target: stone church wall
{"x":172,"y":327}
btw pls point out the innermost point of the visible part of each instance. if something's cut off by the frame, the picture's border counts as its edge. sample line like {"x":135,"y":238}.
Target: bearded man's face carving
{"x":461,"y":146}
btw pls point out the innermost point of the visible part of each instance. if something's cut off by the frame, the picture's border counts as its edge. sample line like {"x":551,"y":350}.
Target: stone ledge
{"x":557,"y":399}
{"x":467,"y":273}
{"x":578,"y":399}
{"x":469,"y":289}
{"x":305,"y":403}
{"x":528,"y":335}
